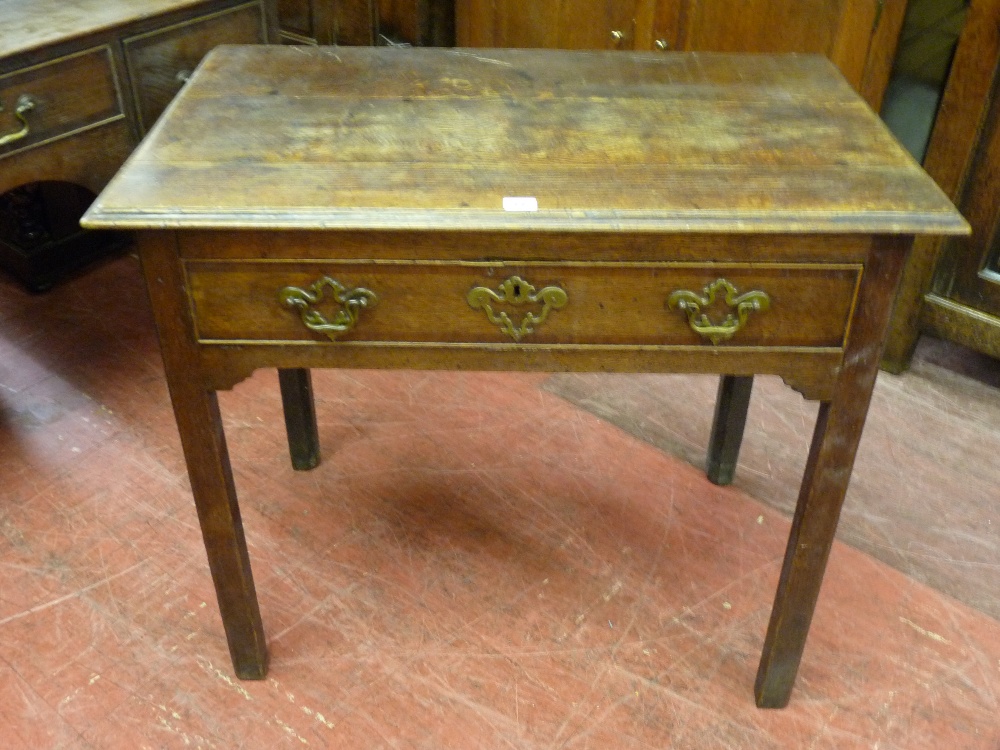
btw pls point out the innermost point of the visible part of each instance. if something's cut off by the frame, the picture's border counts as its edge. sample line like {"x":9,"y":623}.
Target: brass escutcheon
{"x":351,"y":303}
{"x":517,"y":291}
{"x":743,"y":304}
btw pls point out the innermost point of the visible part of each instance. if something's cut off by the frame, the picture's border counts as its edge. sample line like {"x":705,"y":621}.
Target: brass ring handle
{"x":351,"y":302}
{"x":24,"y":105}
{"x":740,"y":306}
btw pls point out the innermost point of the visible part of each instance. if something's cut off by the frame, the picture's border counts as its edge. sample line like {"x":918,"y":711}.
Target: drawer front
{"x":489,"y":303}
{"x":57,"y":98}
{"x":159,"y":62}
{"x":89,"y":158}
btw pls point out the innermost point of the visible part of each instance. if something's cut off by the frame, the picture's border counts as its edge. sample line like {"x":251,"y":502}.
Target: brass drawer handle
{"x":351,"y":302}
{"x":740,"y":306}
{"x":517,"y":291}
{"x":24,"y":105}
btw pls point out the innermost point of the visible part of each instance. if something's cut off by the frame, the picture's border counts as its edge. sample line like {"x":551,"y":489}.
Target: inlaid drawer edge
{"x":500,"y":262}
{"x":521,"y":346}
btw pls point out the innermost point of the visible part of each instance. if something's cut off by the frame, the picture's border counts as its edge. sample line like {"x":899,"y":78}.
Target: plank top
{"x":386,"y":138}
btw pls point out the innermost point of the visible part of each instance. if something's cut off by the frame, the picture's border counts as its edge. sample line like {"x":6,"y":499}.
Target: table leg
{"x":809,"y":544}
{"x":300,"y":417}
{"x":204,"y":443}
{"x":199,"y":423}
{"x":731,"y":406}
{"x":828,"y":471}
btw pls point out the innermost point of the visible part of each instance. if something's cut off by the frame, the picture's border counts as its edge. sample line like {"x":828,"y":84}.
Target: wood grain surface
{"x":390,"y":139}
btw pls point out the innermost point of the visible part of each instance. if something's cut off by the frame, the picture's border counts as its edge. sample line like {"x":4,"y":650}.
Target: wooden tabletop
{"x":383,"y":138}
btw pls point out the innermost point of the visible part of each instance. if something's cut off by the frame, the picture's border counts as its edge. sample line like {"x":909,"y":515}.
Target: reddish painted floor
{"x":478,"y":562}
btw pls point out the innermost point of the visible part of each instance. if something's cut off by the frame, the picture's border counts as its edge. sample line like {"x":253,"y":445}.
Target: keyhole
{"x":517,"y":290}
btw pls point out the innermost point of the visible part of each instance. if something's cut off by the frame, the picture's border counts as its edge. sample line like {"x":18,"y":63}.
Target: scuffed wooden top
{"x":387,"y":138}
{"x":32,"y":24}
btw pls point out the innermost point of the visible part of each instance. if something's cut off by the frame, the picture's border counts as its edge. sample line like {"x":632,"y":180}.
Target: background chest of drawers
{"x":80,"y":84}
{"x":420,"y":23}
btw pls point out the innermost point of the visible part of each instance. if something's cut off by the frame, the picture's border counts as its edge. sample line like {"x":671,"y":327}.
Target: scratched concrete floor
{"x":478,"y":562}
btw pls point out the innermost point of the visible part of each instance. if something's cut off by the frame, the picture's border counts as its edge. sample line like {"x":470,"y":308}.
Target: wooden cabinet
{"x":571,"y":24}
{"x":421,"y":23}
{"x":952,"y":288}
{"x":858,"y":35}
{"x":964,"y":301}
{"x":160,"y":61}
{"x":327,"y":21}
{"x":80,"y":83}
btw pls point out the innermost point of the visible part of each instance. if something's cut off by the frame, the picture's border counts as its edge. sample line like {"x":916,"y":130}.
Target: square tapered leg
{"x":300,"y":417}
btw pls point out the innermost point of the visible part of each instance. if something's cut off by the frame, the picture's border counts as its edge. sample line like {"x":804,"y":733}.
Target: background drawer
{"x":160,"y":61}
{"x":69,"y":93}
{"x":606,"y":304}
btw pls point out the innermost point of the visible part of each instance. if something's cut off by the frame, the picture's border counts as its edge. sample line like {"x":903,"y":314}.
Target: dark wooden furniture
{"x":422,"y":23}
{"x":80,"y":83}
{"x":860,"y":36}
{"x":327,"y":22}
{"x":951,"y":287}
{"x":522,"y":210}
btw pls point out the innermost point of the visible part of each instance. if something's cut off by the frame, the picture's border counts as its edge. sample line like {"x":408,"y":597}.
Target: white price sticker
{"x":520,"y":203}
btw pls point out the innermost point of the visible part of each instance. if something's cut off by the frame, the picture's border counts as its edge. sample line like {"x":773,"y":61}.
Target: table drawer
{"x":462,"y":303}
{"x":161,"y":61}
{"x":56,"y":98}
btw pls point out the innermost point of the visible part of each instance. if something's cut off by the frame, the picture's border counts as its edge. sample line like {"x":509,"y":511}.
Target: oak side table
{"x":523,"y":210}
